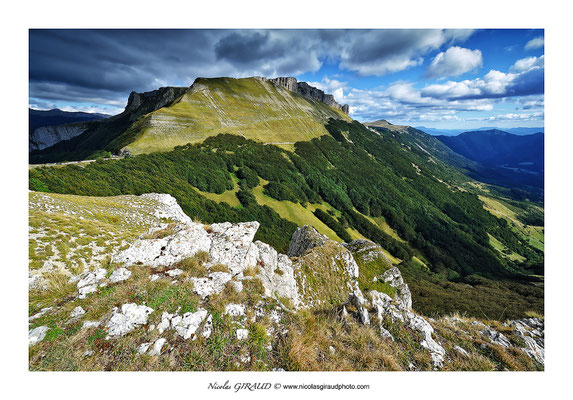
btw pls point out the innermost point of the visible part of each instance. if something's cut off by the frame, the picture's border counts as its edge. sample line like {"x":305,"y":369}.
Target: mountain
{"x":38,"y":118}
{"x":262,"y":197}
{"x":507,"y":158}
{"x":454,"y":132}
{"x":47,"y":128}
{"x":96,"y":136}
{"x":402,"y":191}
{"x":255,"y":108}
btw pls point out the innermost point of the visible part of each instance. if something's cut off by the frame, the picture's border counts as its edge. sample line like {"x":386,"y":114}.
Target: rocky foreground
{"x":157,"y":291}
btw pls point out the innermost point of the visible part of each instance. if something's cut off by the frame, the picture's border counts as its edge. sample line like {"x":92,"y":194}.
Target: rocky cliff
{"x":132,"y":283}
{"x":309,"y":92}
{"x":46,"y":136}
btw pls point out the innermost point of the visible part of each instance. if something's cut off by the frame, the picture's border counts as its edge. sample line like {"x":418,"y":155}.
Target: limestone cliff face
{"x":309,"y":92}
{"x":46,"y":136}
{"x":153,"y":100}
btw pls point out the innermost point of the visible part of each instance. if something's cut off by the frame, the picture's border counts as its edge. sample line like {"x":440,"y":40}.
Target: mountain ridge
{"x":263,"y":108}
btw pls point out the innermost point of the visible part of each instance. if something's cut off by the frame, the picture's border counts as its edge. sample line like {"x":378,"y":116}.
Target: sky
{"x":436,"y":78}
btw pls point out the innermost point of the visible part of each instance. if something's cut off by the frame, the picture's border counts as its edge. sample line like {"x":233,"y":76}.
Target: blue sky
{"x":435,"y":78}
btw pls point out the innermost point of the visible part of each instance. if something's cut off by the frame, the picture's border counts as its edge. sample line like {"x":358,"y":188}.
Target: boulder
{"x":88,"y":281}
{"x":77,"y":312}
{"x":235,"y":310}
{"x":304,"y":239}
{"x":128,"y":318}
{"x":36,"y":335}
{"x":185,"y":325}
{"x":120,"y":274}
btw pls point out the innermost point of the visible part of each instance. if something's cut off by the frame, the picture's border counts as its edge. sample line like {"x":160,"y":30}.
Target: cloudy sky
{"x":434,"y":78}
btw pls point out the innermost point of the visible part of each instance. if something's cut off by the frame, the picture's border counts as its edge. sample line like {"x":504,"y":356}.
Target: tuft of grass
{"x":161,"y":233}
{"x":194,"y":266}
{"x":219,"y":268}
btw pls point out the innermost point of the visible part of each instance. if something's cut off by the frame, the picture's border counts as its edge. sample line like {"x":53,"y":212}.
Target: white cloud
{"x":386,"y":51}
{"x":516,"y":117}
{"x":454,"y":61}
{"x":525,"y":64}
{"x":331,"y":86}
{"x":526,"y":77}
{"x":536,"y":43}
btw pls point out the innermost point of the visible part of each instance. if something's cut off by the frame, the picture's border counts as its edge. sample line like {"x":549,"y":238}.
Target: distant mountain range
{"x":506,"y":158}
{"x":56,"y":116}
{"x":454,"y":132}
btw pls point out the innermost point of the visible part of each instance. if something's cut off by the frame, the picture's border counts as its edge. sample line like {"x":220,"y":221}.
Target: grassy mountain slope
{"x":250,"y":107}
{"x":394,"y":189}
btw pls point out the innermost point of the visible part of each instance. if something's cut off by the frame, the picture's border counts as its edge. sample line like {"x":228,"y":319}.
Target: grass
{"x":294,"y":212}
{"x":313,"y":339}
{"x":320,"y":275}
{"x":247,"y":107}
{"x":195,"y":266}
{"x":229,"y":196}
{"x":161,"y":233}
{"x":107,"y":224}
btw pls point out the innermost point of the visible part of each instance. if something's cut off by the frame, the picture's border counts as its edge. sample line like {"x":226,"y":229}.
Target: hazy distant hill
{"x":53,"y":117}
{"x":507,"y":158}
{"x":454,"y":132}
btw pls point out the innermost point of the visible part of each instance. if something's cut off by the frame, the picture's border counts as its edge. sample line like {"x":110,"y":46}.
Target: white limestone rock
{"x":174,"y":272}
{"x":393,"y":277}
{"x":77,"y":312}
{"x":119,"y":275}
{"x":88,"y":281}
{"x":495,"y":337}
{"x":357,"y":300}
{"x":169,"y":208}
{"x":39,"y":314}
{"x":169,"y":250}
{"x":235,"y":310}
{"x":214,"y":283}
{"x":384,"y":305}
{"x":276,"y":272}
{"x":185,"y":325}
{"x":531,"y":331}
{"x":128,"y":318}
{"x":461,"y":350}
{"x":143,"y":347}
{"x":157,"y":346}
{"x":207,"y":327}
{"x":242,"y":334}
{"x":91,"y":324}
{"x":36,"y":335}
{"x":230,"y":244}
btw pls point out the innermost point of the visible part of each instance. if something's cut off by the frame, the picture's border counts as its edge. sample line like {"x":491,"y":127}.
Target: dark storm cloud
{"x":105,"y":65}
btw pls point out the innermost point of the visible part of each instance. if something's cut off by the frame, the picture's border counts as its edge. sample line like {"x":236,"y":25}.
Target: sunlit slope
{"x":250,"y":107}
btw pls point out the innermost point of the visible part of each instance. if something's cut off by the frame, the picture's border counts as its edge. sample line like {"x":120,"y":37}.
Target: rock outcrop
{"x":146,"y":102}
{"x":256,"y":293}
{"x":46,"y":136}
{"x":309,"y":92}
